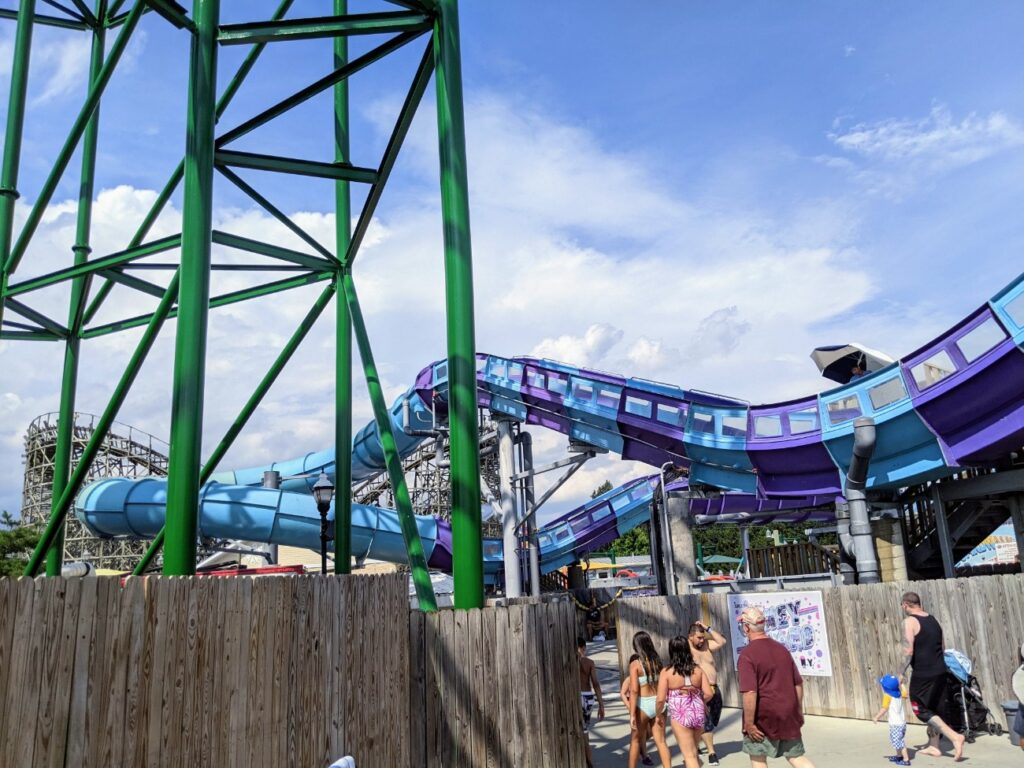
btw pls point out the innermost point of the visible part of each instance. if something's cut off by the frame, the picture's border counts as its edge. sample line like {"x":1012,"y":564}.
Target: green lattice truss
{"x":430,"y":24}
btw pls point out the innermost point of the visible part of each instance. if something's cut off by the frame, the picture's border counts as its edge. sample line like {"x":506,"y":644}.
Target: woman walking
{"x":643,"y":694}
{"x":684,"y":687}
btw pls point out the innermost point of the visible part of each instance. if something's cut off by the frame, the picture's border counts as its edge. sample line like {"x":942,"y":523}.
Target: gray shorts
{"x":773,"y":748}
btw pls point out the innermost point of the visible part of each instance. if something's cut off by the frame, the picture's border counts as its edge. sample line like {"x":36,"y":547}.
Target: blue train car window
{"x":734,"y":426}
{"x":515,"y":371}
{"x":980,"y":340}
{"x":562,"y":533}
{"x":801,"y":422}
{"x":580,"y":525}
{"x":492,"y":549}
{"x":556,"y":385}
{"x":620,"y":501}
{"x":582,"y":391}
{"x":535,"y":379}
{"x":887,"y":393}
{"x":544,"y":541}
{"x":441,"y":372}
{"x":601,"y":512}
{"x":497,"y":368}
{"x":844,"y":409}
{"x":669,"y":414}
{"x":767,"y":426}
{"x":480,"y":363}
{"x":1015,"y":309}
{"x":703,"y":422}
{"x":607,"y":398}
{"x":638,"y":407}
{"x":933,"y":370}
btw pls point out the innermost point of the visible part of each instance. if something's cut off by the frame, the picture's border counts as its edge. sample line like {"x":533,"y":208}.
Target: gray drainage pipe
{"x":852,"y":519}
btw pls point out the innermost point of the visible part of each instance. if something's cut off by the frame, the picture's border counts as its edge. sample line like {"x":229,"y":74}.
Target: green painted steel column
{"x":194,"y":296}
{"x":343,"y":344}
{"x":393,"y":461}
{"x":467,"y":541}
{"x":12,"y":139}
{"x":69,"y":383}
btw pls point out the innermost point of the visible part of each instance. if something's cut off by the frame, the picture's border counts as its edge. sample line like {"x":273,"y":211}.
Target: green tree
{"x":16,"y":544}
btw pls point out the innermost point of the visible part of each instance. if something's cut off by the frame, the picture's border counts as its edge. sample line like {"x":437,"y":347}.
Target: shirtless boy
{"x":704,"y":641}
{"x":590,"y":691}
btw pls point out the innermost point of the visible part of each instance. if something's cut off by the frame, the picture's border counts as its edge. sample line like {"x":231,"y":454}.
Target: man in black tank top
{"x":925,"y":651}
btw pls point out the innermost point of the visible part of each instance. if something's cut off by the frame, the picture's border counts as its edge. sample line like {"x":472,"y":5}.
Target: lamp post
{"x":323,"y":492}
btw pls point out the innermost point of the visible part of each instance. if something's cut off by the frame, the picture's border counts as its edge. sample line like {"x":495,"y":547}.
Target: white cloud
{"x":848,"y":51}
{"x":587,"y":350}
{"x":64,"y":64}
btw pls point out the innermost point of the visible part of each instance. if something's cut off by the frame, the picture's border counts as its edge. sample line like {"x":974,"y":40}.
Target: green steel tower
{"x":210,"y":159}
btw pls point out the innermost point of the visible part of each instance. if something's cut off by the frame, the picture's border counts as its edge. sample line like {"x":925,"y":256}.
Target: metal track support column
{"x":69,"y":380}
{"x":942,"y":531}
{"x":1016,"y":504}
{"x":193,"y":302}
{"x":529,"y":501}
{"x":509,"y":514}
{"x":12,"y":138}
{"x":467,"y":541}
{"x":343,"y":321}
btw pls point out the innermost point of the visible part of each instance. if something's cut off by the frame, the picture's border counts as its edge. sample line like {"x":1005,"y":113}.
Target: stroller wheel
{"x":996,"y":729}
{"x":970,"y":738}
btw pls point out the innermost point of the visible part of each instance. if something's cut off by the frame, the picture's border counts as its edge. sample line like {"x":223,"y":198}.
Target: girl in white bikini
{"x":643,"y":682}
{"x":684,"y":687}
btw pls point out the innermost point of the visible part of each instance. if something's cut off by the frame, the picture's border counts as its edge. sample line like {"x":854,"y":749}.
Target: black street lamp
{"x":323,"y":492}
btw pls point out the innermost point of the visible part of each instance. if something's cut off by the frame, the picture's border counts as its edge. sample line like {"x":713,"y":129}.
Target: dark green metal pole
{"x":467,"y":541}
{"x":190,"y":339}
{"x":403,"y":504}
{"x":12,"y":139}
{"x":69,"y":382}
{"x":247,"y":411}
{"x":343,"y":323}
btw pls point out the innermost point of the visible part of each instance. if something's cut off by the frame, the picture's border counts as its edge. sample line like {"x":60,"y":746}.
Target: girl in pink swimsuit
{"x":685,"y":689}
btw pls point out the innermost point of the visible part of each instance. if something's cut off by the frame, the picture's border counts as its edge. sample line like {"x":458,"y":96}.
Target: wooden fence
{"x":280,"y":671}
{"x":981,"y":616}
{"x":266,"y":672}
{"x":497,"y":686}
{"x":792,"y":560}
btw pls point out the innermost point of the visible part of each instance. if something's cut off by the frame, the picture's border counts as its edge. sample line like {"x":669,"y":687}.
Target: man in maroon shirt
{"x":773,"y":692}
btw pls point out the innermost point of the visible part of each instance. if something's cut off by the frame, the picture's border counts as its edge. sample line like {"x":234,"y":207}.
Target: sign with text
{"x":795,"y":619}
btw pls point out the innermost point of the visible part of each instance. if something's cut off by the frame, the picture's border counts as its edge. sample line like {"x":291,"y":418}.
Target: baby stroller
{"x":966,"y":706}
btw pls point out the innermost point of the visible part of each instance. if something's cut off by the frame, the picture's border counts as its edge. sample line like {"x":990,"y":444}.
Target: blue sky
{"x":698,"y":193}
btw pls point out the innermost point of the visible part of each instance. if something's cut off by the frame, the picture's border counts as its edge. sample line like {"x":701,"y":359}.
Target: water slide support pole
{"x":861,"y":538}
{"x":272,"y":479}
{"x":942,"y":530}
{"x":467,"y":537}
{"x":12,"y":143}
{"x":343,"y":321}
{"x":529,"y":501}
{"x":79,"y":288}
{"x":509,"y":515}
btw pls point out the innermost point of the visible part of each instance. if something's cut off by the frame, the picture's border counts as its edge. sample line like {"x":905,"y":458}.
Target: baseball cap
{"x":751,"y":615}
{"x":891,"y":685}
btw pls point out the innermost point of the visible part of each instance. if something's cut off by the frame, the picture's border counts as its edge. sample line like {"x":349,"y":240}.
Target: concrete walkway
{"x":831,"y":742}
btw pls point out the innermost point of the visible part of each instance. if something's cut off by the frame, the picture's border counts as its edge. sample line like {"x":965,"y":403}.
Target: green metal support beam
{"x":190,"y":340}
{"x":74,"y":484}
{"x":276,"y":212}
{"x":393,"y":461}
{"x":81,"y":249}
{"x":467,"y":542}
{"x":179,"y":173}
{"x":96,"y":89}
{"x":256,"y":162}
{"x":273,"y":251}
{"x":47,"y":21}
{"x":318,"y":87}
{"x":175,"y":13}
{"x":402,"y":125}
{"x":222,"y":300}
{"x":343,"y":322}
{"x":339,"y":25}
{"x":12,"y":139}
{"x":247,"y":411}
{"x":96,"y":265}
{"x":143,"y":286}
{"x":37,"y":317}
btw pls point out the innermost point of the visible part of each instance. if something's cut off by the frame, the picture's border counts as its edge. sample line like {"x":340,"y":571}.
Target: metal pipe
{"x":193,"y":304}
{"x":509,"y":516}
{"x":77,"y":570}
{"x":343,"y":321}
{"x":102,"y":426}
{"x":529,"y":499}
{"x":392,"y":459}
{"x":79,"y":287}
{"x":859,"y":526}
{"x":272,"y":479}
{"x":12,"y":138}
{"x":467,"y":538}
{"x":670,"y":570}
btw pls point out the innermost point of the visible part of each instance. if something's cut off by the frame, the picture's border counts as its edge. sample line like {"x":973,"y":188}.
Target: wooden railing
{"x":792,"y":560}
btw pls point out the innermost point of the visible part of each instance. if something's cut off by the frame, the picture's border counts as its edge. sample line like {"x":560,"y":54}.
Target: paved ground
{"x":831,"y":742}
